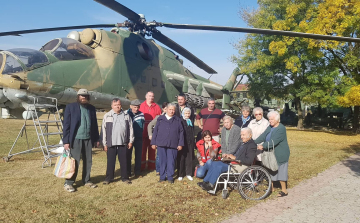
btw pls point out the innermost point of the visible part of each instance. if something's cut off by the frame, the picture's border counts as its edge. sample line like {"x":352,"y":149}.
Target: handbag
{"x":65,"y":165}
{"x":268,"y":159}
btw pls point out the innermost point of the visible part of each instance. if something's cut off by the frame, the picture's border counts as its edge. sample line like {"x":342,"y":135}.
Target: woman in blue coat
{"x":168,"y":138}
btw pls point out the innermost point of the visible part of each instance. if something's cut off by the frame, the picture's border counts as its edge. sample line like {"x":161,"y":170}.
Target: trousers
{"x":137,"y":146}
{"x":82,"y":148}
{"x":202,"y":170}
{"x":167,"y":160}
{"x":146,"y":149}
{"x":184,"y":161}
{"x":121,"y":152}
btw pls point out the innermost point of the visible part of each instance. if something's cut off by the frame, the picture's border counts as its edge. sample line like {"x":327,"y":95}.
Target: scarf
{"x":244,"y":120}
{"x":188,"y":121}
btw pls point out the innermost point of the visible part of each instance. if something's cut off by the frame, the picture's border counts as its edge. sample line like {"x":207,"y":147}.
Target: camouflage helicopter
{"x":120,"y":62}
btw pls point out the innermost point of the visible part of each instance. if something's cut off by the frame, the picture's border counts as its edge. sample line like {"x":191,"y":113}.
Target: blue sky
{"x":214,"y":48}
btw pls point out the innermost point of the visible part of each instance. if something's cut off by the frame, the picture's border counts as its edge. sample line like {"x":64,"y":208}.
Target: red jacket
{"x":201,"y":150}
{"x":150,"y":112}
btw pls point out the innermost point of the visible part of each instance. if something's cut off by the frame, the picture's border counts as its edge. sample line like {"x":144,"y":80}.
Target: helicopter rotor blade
{"x":260,"y":31}
{"x":17,"y":33}
{"x":119,"y":8}
{"x":182,"y":51}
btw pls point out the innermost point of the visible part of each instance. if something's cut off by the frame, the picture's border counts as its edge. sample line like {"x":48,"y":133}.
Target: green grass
{"x":32,"y":194}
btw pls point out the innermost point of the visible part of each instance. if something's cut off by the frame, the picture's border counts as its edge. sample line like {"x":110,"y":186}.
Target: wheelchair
{"x":253,"y":183}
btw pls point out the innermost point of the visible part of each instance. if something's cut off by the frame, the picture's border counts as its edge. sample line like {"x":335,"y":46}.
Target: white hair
{"x":258,"y":109}
{"x":274,"y":113}
{"x":228,"y":117}
{"x":186,"y":109}
{"x":171,"y":105}
{"x":245,"y":108}
{"x":247,"y":129}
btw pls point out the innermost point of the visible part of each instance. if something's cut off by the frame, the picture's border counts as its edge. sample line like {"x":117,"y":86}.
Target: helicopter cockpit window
{"x":11,"y":65}
{"x":145,"y":51}
{"x":29,"y":57}
{"x":68,"y":49}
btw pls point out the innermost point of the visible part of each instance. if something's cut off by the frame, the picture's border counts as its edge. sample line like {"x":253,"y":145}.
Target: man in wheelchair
{"x":243,"y":157}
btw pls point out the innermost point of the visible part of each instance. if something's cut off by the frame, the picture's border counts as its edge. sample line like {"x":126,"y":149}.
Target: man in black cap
{"x":80,"y":134}
{"x":138,"y":128}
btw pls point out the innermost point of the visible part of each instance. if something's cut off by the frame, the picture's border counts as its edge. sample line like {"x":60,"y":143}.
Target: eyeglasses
{"x":257,"y":114}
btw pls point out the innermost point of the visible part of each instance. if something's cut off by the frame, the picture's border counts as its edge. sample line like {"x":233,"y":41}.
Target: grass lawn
{"x":32,"y":194}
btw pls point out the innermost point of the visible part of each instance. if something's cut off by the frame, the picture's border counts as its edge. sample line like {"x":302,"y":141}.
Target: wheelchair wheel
{"x":254,"y":183}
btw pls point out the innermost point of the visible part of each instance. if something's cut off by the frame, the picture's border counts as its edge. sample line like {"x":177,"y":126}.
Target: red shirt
{"x":213,"y":122}
{"x":150,"y":112}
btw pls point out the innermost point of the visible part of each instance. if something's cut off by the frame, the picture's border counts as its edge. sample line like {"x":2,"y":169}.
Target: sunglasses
{"x":257,"y":114}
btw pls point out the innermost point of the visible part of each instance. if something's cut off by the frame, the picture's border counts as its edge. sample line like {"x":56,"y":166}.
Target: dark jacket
{"x":189,"y":136}
{"x":138,"y":123}
{"x":193,"y":112}
{"x":240,"y":123}
{"x":168,"y":133}
{"x":71,"y":123}
{"x":278,"y":139}
{"x":234,"y":141}
{"x":246,"y":153}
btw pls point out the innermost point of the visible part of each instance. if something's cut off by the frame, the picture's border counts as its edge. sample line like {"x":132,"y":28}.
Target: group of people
{"x":170,"y":134}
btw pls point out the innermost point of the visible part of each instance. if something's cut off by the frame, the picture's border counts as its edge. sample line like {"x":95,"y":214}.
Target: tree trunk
{"x":356,"y":119}
{"x":300,"y":124}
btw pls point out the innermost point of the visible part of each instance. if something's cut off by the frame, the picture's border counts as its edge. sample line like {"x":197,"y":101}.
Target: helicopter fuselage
{"x":109,"y":64}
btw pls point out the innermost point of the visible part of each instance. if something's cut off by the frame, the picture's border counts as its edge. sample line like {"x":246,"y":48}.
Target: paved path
{"x":331,"y":196}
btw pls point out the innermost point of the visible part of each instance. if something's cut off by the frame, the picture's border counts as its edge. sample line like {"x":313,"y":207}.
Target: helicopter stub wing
{"x":179,"y":80}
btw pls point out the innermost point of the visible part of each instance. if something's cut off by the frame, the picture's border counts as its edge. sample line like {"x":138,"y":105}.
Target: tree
{"x":317,"y":71}
{"x":298,"y":70}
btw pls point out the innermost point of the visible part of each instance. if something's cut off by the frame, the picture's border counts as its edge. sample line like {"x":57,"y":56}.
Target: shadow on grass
{"x":335,"y":132}
{"x":353,"y":163}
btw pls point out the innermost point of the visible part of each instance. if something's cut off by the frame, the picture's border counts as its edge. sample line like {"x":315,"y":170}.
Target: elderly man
{"x":118,"y":137}
{"x":150,"y":110}
{"x":230,"y":140}
{"x":211,"y":117}
{"x":80,"y":133}
{"x":138,"y":125}
{"x":245,"y":155}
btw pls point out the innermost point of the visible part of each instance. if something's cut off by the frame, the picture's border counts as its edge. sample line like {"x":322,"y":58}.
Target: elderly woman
{"x":243,"y":120}
{"x":230,"y":137}
{"x":258,"y":126}
{"x":186,"y":155}
{"x":275,"y":137}
{"x":168,"y":138}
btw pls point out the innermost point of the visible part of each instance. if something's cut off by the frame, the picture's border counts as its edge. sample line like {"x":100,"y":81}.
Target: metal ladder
{"x":41,"y":128}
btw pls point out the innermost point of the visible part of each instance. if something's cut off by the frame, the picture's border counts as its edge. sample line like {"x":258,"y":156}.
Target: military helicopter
{"x":120,"y":63}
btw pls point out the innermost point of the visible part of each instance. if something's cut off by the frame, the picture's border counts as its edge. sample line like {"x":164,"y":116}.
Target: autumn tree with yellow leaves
{"x":308,"y":70}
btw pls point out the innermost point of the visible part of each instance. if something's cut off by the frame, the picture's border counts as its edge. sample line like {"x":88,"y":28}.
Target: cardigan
{"x":234,"y":141}
{"x":279,"y":141}
{"x":168,"y":133}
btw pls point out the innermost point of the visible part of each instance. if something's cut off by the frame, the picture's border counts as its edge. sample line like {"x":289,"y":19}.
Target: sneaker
{"x":91,"y":185}
{"x":190,"y":178}
{"x":69,"y":188}
{"x":180,"y":179}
